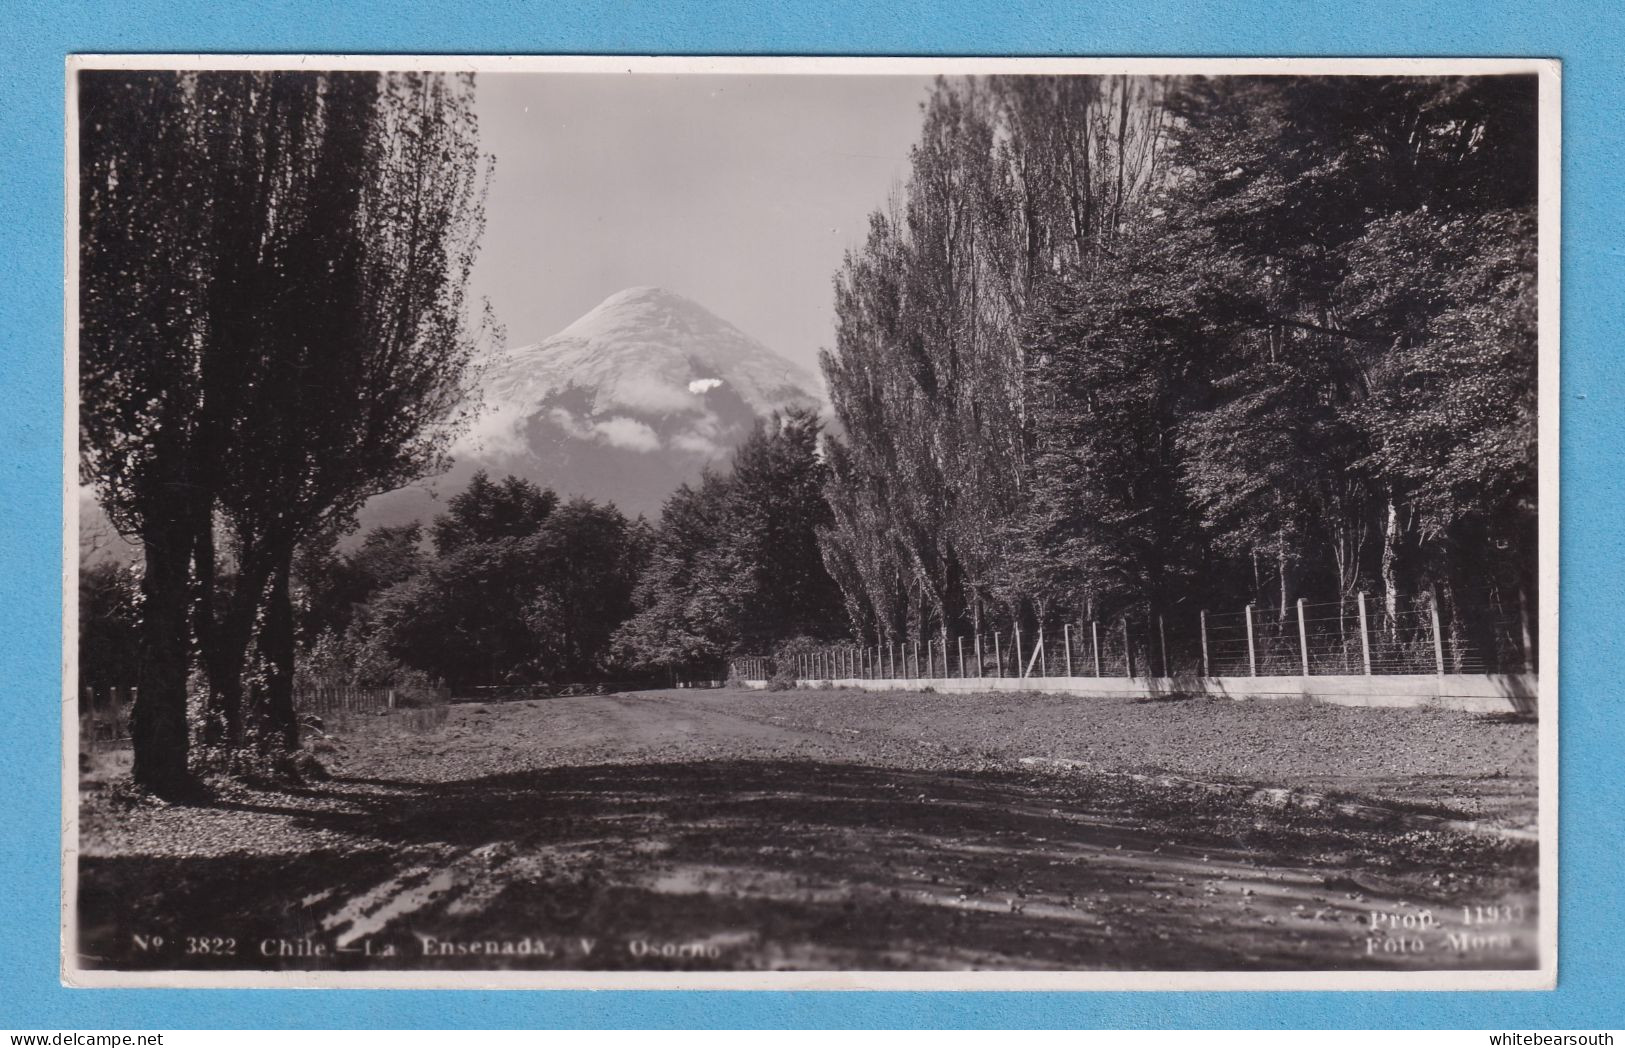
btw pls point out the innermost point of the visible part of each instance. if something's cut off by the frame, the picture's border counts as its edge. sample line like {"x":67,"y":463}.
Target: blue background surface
{"x":1587,"y":36}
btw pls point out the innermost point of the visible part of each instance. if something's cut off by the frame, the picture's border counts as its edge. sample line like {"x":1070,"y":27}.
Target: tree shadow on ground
{"x":769,"y":864}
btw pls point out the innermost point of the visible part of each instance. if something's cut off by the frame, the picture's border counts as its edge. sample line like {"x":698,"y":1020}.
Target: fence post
{"x":1128,"y":650}
{"x":961,"y":642}
{"x":1438,"y":641}
{"x":1043,"y":655}
{"x":1252,"y":656}
{"x":916,"y":660}
{"x":1162,"y":639}
{"x":1066,"y":642}
{"x":1207,"y":670}
{"x":1525,"y":634}
{"x":930,"y":666}
{"x":998,"y":656}
{"x":1094,"y":641}
{"x":1303,"y":638}
{"x":1365,"y":637}
{"x":1021,"y":667}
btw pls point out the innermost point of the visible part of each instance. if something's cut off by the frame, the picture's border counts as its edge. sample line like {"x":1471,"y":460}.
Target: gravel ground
{"x":1472,"y":765}
{"x":824,"y":829}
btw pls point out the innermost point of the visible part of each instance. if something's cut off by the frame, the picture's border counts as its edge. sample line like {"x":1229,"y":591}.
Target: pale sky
{"x":741,"y":192}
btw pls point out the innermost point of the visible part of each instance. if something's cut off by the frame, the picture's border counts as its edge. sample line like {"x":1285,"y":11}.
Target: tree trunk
{"x":223,"y":723}
{"x":226,"y":640}
{"x":276,"y":645}
{"x":1390,"y":564}
{"x":158,"y":727}
{"x":1285,"y":568}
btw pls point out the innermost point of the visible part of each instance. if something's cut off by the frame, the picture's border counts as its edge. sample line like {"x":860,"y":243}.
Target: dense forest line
{"x":1127,"y":346}
{"x":512,"y":586}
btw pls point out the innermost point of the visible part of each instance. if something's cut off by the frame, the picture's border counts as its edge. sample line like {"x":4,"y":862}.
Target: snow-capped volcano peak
{"x":630,"y":400}
{"x":646,"y":349}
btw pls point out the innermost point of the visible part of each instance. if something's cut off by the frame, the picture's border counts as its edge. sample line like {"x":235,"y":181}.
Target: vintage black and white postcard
{"x":811,"y":523}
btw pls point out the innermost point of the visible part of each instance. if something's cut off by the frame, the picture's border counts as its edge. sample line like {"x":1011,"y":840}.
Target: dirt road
{"x":811,"y":830}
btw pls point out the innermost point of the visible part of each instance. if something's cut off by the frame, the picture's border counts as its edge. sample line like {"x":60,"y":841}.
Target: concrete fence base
{"x":1471,"y":692}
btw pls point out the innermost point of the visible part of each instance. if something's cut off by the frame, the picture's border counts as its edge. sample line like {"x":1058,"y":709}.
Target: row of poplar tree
{"x":272,"y":328}
{"x":1138,"y":345}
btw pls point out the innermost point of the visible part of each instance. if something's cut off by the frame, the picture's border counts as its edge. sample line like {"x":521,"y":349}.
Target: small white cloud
{"x":496,"y":430}
{"x":704,"y":385}
{"x":570,"y":424}
{"x":645,"y":393}
{"x":629,"y":433}
{"x":696,"y":444}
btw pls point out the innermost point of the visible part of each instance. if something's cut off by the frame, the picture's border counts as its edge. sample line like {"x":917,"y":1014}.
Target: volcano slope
{"x":735,"y":830}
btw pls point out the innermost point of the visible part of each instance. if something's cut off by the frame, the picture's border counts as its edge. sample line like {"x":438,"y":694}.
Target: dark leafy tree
{"x":273,"y":330}
{"x":1123,"y":343}
{"x":735,"y":564}
{"x":487,"y":510}
{"x":587,"y":559}
{"x":517,"y":591}
{"x":143,"y":274}
{"x":109,"y":624}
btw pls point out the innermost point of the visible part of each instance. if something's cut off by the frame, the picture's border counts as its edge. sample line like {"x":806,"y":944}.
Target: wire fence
{"x":105,"y":711}
{"x":343,"y":699}
{"x":104,"y":717}
{"x":1357,"y":635}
